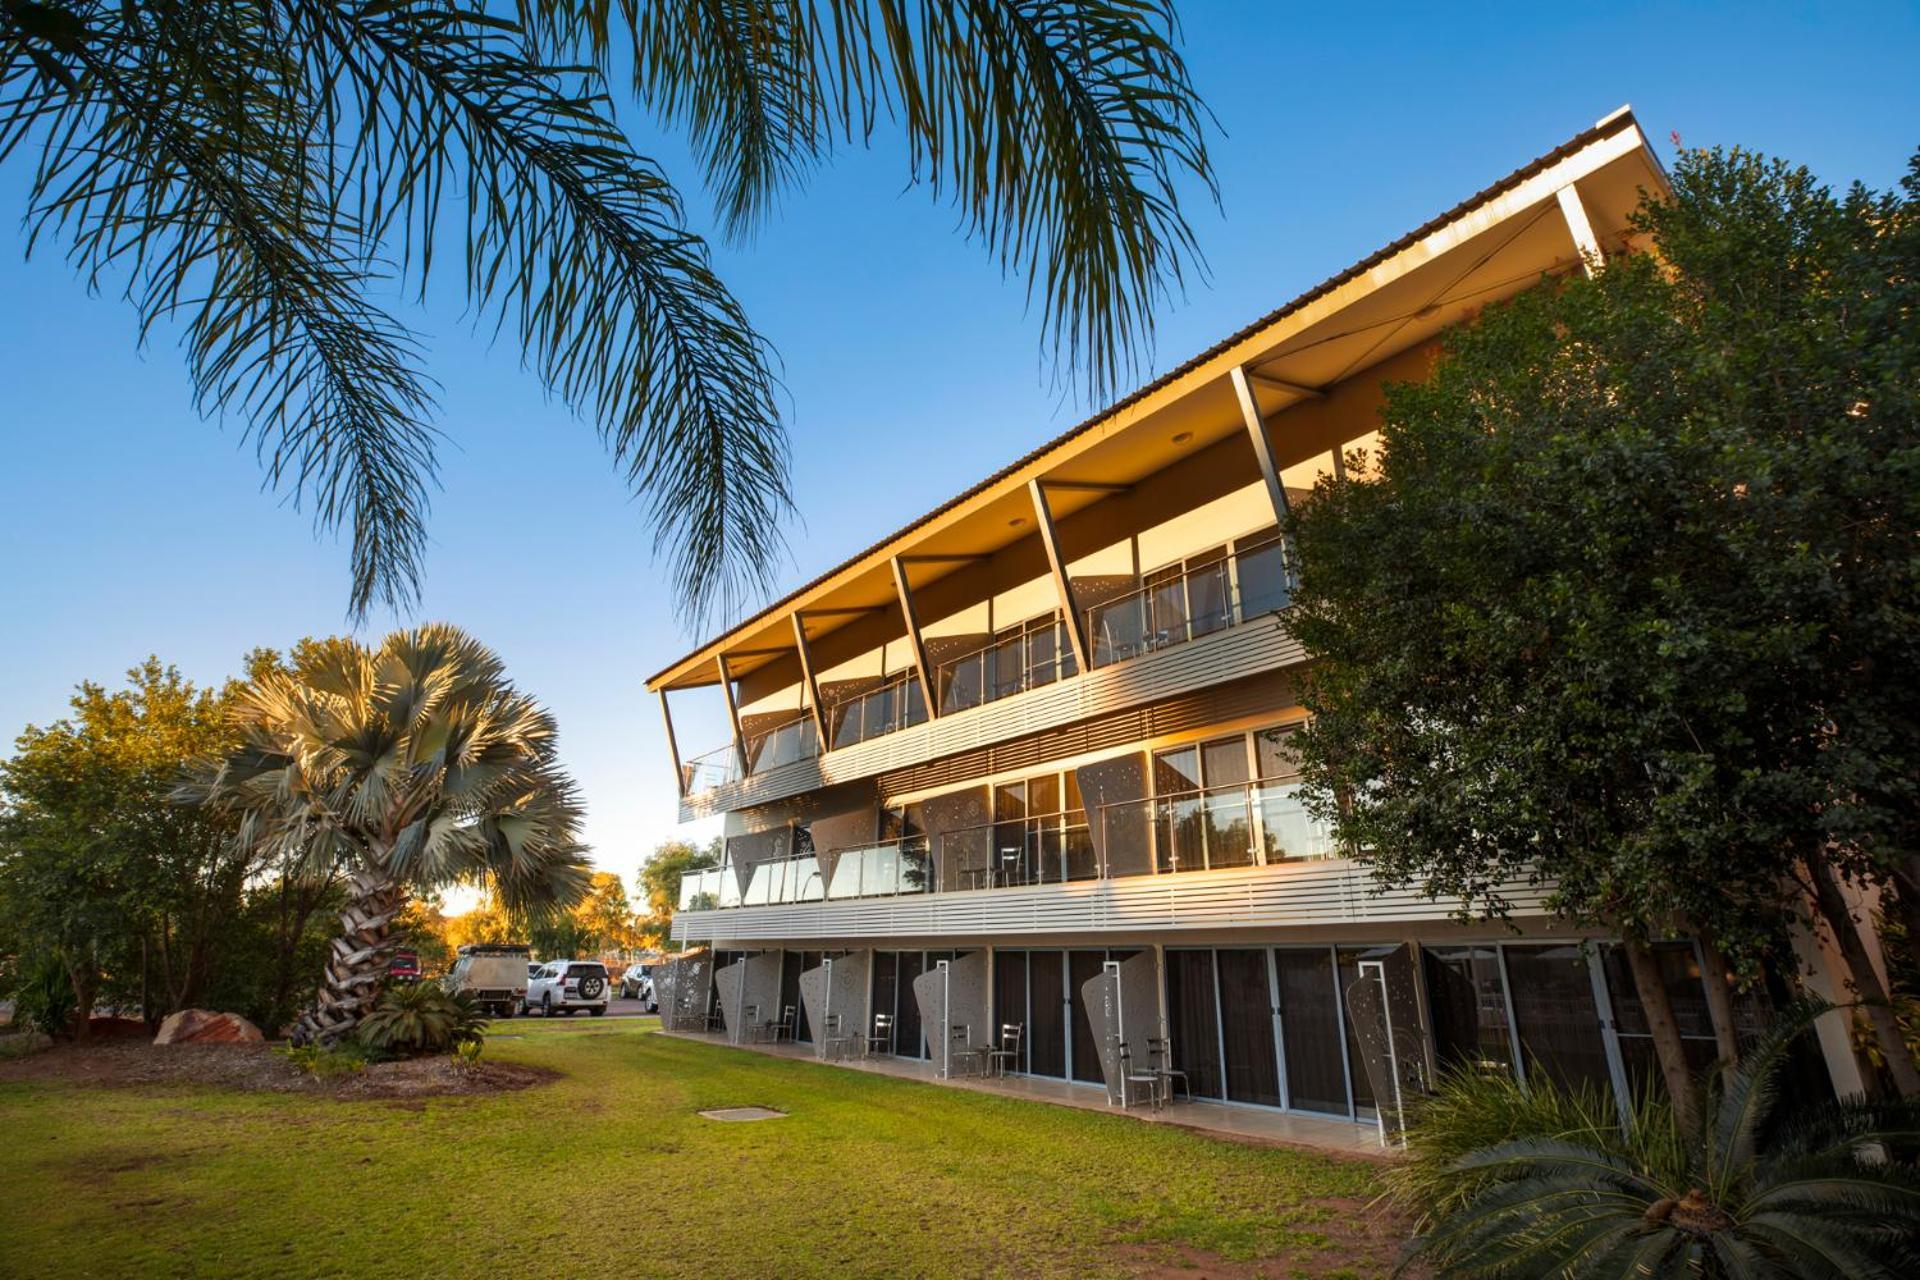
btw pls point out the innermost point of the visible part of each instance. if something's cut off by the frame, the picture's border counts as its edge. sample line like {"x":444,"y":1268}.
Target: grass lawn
{"x":608,"y":1171}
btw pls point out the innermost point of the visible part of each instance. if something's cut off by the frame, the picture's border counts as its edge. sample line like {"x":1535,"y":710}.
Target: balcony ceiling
{"x":1490,"y":247}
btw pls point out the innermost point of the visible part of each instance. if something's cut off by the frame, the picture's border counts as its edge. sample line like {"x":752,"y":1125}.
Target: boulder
{"x":203,"y":1026}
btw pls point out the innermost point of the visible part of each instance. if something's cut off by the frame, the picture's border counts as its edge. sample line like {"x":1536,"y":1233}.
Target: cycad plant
{"x":421,"y":1017}
{"x":266,"y":172}
{"x":1827,"y":1190}
{"x":413,"y":765}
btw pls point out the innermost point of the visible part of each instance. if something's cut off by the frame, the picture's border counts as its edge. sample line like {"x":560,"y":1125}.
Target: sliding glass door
{"x":1312,"y":1030}
{"x":1246,"y":1028}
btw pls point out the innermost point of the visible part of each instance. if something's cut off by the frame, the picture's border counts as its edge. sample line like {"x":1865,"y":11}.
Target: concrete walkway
{"x":1246,"y":1124}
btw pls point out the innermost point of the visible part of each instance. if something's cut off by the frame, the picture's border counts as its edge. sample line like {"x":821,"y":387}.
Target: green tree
{"x":415,"y":765}
{"x":129,"y":892}
{"x":660,"y":879}
{"x":1619,"y":608}
{"x":600,"y":921}
{"x":263,"y":172}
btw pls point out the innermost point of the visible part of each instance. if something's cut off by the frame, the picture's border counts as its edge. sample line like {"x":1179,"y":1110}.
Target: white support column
{"x":1591,"y":258}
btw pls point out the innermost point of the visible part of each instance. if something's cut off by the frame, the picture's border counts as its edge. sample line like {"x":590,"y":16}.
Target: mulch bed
{"x":256,"y":1068}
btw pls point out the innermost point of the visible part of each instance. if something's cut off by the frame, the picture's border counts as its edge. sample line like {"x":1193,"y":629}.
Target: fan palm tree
{"x":1829,"y":1190}
{"x":414,"y":765}
{"x":253,"y":169}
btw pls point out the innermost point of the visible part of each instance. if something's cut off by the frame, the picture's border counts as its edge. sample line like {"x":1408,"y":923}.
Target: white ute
{"x":566,"y":985}
{"x":493,"y":974}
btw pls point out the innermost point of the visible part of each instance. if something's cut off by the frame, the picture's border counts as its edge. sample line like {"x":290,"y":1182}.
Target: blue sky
{"x":134,"y":527}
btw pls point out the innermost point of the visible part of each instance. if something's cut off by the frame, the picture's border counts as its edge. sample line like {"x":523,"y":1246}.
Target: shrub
{"x":1832,"y":1190}
{"x":323,"y":1063}
{"x":421,"y":1018}
{"x":1473,"y":1110}
{"x":43,"y":1000}
{"x":466,"y":1054}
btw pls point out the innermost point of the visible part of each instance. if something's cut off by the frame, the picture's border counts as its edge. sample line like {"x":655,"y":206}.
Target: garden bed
{"x":257,"y":1068}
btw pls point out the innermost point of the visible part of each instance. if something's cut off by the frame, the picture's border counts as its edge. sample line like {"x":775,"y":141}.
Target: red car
{"x":404,"y":967}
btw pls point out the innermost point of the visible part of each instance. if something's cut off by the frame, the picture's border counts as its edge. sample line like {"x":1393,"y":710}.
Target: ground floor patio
{"x":1220,"y":1120}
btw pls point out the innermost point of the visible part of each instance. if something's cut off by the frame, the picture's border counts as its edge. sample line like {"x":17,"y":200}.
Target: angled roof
{"x":1493,"y":244}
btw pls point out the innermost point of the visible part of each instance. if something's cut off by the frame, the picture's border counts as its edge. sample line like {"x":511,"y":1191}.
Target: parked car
{"x":637,"y":984}
{"x":403,"y":969}
{"x":566,"y":985}
{"x":493,"y":974}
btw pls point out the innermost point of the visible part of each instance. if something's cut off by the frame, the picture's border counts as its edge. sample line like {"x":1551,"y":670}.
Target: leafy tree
{"x":256,"y":170}
{"x":130,"y":893}
{"x":600,"y":922}
{"x":486,"y":922}
{"x":1620,"y":607}
{"x":660,"y":879}
{"x":415,"y":765}
{"x":424,"y":923}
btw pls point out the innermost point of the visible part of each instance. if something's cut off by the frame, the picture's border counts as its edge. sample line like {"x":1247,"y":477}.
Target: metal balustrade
{"x":1171,"y":609}
{"x":1244,"y":825}
{"x":1175,"y":607}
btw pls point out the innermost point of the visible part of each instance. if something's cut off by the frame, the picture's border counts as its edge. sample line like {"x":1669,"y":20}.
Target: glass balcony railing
{"x":1244,"y":825}
{"x":1173,"y":608}
{"x":1012,"y":663}
{"x":709,"y":890}
{"x":883,"y":870}
{"x":787,"y":743}
{"x":705,"y":772}
{"x":1040,"y":850}
{"x":895,"y":704}
{"x":782,"y":880}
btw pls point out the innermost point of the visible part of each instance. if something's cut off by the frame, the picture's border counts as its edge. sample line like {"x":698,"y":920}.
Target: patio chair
{"x":1138,"y":1082}
{"x":1009,"y":1050}
{"x":785,"y":1028}
{"x":882,"y":1037}
{"x":1160,"y":1054}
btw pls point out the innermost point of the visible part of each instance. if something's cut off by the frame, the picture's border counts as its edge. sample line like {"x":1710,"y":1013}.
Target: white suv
{"x":566,"y":985}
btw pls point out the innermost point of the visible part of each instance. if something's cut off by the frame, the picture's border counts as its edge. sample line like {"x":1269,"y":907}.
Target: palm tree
{"x":412,"y":766}
{"x":1829,"y":1190}
{"x":249,"y":168}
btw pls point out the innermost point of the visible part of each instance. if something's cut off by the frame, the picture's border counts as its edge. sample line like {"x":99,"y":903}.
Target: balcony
{"x":897,"y":704}
{"x":1248,"y":825}
{"x":1180,"y":632}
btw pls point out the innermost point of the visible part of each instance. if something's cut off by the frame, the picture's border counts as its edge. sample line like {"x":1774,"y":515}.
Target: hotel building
{"x":1025,"y":762}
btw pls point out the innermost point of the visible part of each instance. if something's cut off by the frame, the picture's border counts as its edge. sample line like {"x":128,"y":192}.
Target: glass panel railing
{"x":1047,"y":849}
{"x":1172,"y":609}
{"x":1010,"y":664}
{"x":712,"y":769}
{"x":882,"y":870}
{"x":709,"y":890}
{"x":895,"y":704}
{"x":783,"y":880}
{"x":784,"y":744}
{"x":1243,"y":825}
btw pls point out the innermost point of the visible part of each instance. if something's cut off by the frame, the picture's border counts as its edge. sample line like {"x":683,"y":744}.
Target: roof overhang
{"x":1491,"y":246}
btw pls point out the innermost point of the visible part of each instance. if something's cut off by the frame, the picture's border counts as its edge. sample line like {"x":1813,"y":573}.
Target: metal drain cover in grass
{"x":741,"y":1114}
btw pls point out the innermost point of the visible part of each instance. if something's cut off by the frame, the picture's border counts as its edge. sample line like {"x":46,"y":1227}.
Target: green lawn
{"x":608,"y":1171}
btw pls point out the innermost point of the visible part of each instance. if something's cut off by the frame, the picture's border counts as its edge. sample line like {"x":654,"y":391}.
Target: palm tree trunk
{"x":1866,"y":980}
{"x":1663,"y":1029}
{"x":358,"y":964}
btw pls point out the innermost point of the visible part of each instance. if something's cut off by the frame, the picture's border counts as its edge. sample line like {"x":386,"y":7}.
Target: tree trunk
{"x":1664,"y":1029}
{"x":1719,"y":984}
{"x":1906,"y":903}
{"x":358,"y":965}
{"x":1865,"y":979}
{"x":86,"y":985}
